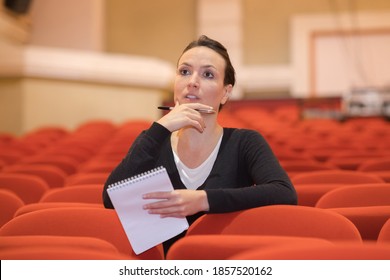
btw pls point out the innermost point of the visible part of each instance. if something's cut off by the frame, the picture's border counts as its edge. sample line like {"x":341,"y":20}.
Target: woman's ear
{"x":228,"y":92}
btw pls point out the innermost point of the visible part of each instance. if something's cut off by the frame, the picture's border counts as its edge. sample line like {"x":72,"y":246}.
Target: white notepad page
{"x":144,"y":230}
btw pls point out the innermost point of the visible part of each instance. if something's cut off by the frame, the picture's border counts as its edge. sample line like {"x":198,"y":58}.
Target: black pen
{"x":204,"y":111}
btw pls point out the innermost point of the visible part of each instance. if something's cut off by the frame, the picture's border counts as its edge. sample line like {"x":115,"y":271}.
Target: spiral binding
{"x":136,"y":178}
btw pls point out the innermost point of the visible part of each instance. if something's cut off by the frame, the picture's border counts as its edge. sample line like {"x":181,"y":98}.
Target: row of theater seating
{"x":340,"y":171}
{"x":263,"y":233}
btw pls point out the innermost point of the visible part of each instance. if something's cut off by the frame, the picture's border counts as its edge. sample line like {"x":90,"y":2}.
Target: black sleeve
{"x":267,"y":181}
{"x":141,"y":157}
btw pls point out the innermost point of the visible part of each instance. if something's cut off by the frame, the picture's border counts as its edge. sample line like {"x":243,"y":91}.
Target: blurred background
{"x":80,"y":80}
{"x":68,"y":62}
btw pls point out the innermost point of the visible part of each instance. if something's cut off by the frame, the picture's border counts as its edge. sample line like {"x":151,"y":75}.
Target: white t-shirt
{"x":193,"y":178}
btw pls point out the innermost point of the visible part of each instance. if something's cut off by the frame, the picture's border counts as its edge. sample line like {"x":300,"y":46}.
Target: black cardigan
{"x":246,"y":173}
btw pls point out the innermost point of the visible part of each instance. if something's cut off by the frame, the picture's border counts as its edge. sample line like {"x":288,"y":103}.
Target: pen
{"x":204,"y":111}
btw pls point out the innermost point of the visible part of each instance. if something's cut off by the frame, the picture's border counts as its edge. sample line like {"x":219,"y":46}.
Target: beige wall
{"x":71,"y":24}
{"x":11,"y":106}
{"x":70,"y":104}
{"x":26,"y":104}
{"x":163,"y":28}
{"x":150,"y":28}
{"x":67,"y":84}
{"x":157,"y":29}
{"x":267,"y":23}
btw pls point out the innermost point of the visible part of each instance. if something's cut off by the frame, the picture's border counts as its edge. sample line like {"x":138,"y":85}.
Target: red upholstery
{"x":342,"y":251}
{"x":384,"y":234}
{"x":17,"y":244}
{"x":310,"y":186}
{"x":52,"y":175}
{"x":89,"y":193}
{"x":9,"y":204}
{"x":87,"y":178}
{"x":368,"y":220}
{"x":356,"y":196}
{"x":77,"y":221}
{"x":286,"y":220}
{"x":221,"y":247}
{"x":31,"y":207}
{"x":28,"y":187}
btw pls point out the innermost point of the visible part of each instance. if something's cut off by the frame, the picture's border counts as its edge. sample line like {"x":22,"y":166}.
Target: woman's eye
{"x":209,"y":75}
{"x":184,"y":72}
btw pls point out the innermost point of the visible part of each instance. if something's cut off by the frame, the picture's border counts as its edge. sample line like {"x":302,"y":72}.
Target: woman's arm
{"x":263,"y":179}
{"x":265,"y":183}
{"x":141,"y":157}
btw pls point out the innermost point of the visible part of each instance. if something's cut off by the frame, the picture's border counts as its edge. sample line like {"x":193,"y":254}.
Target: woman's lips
{"x":191,"y":96}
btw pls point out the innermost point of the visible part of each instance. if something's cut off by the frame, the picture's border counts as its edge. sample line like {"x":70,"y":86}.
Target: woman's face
{"x":199,"y":78}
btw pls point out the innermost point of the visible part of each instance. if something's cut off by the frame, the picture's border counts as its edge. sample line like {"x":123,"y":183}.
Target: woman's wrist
{"x":204,"y":201}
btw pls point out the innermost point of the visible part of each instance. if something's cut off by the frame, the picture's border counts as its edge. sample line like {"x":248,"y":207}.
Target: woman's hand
{"x":177,"y":203}
{"x":183,"y":116}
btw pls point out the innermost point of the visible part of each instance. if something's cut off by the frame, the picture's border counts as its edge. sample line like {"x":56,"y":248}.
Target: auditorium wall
{"x":31,"y":96}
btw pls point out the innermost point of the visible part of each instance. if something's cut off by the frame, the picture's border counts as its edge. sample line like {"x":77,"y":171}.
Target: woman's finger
{"x":157,"y":195}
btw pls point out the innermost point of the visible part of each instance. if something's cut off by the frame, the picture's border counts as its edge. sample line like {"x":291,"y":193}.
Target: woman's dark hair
{"x":204,"y":41}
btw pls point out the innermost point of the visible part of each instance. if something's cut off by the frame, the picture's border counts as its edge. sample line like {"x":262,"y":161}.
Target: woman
{"x":213,"y":169}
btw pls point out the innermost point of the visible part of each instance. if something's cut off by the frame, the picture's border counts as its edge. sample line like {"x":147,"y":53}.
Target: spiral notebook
{"x":144,"y":230}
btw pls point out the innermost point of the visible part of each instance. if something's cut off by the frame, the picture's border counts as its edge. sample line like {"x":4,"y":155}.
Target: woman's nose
{"x":193,"y":81}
